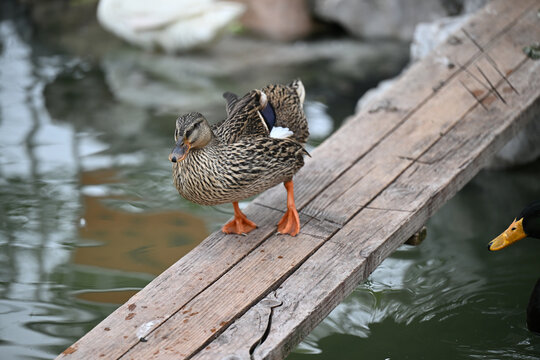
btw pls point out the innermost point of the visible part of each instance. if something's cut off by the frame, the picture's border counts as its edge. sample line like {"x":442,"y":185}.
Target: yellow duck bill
{"x":514,"y":233}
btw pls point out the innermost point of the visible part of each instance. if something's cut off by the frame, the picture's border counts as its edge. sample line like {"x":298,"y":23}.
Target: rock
{"x":372,"y":94}
{"x":380,"y":19}
{"x":428,"y":35}
{"x":283,"y":20}
{"x":394,"y":19}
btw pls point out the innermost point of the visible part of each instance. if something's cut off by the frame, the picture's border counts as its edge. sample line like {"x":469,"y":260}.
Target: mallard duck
{"x":241,"y":156}
{"x":527,"y":224}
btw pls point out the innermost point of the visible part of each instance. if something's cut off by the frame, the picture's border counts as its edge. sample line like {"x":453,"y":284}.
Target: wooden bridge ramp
{"x":362,"y":194}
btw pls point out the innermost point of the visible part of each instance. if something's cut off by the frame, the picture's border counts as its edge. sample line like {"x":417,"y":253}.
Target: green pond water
{"x":89,"y":216}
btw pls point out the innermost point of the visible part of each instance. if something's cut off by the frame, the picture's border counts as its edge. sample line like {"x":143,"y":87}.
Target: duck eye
{"x":189,"y":132}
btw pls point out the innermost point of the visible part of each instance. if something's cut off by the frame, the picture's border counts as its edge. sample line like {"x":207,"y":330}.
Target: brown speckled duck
{"x":259,"y":145}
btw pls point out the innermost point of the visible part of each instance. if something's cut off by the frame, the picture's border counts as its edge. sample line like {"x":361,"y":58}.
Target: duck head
{"x":526,"y":224}
{"x":192,"y":132}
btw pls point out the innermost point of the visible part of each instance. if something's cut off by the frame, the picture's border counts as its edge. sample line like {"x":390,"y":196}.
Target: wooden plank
{"x":234,"y":268}
{"x":188,"y":330}
{"x":356,"y":249}
{"x":265,"y":275}
{"x":311,"y":285}
{"x":354,"y":252}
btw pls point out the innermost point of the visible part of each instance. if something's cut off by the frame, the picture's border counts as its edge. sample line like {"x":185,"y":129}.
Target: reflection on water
{"x":448,"y":298}
{"x":76,"y":237}
{"x":88,"y":212}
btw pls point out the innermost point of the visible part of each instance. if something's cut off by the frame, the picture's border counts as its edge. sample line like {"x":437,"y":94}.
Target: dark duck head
{"x":526,"y":224}
{"x":192,"y":132}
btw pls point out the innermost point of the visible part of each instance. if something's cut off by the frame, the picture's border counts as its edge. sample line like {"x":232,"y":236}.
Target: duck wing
{"x":244,"y":117}
{"x":275,"y":111}
{"x":287,"y":101}
{"x":232,"y":100}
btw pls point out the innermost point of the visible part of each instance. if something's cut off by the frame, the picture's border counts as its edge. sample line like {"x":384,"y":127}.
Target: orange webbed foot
{"x":240,"y":224}
{"x":290,"y":222}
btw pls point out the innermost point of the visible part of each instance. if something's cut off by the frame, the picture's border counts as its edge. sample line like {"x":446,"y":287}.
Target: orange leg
{"x":290,"y":222}
{"x":240,"y":224}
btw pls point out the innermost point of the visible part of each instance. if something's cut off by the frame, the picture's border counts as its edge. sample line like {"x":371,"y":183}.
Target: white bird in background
{"x":172,"y":25}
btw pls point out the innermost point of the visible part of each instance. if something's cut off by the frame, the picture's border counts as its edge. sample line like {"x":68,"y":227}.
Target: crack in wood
{"x":465,"y":69}
{"x":272,"y":304}
{"x":425,"y":162}
{"x":255,"y":202}
{"x":491,"y":85}
{"x":320,"y":213}
{"x":490,"y":59}
{"x":316,"y":236}
{"x":472,"y":40}
{"x":384,"y":105}
{"x":494,"y":64}
{"x":473,"y":95}
{"x":310,"y":217}
{"x":388,"y":209}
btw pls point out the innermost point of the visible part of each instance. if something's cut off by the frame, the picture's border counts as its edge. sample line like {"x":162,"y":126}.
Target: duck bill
{"x":509,"y":236}
{"x":179,"y":152}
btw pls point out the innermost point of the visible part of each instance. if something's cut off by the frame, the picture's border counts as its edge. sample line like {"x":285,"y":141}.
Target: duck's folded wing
{"x":244,"y":117}
{"x":288,"y":103}
{"x":232,"y":100}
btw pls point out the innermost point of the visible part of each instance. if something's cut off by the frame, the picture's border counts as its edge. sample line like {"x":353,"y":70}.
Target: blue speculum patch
{"x":269,"y":116}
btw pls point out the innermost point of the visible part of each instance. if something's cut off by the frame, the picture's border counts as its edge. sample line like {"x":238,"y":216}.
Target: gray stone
{"x":394,"y":19}
{"x":380,"y":19}
{"x":283,"y":20}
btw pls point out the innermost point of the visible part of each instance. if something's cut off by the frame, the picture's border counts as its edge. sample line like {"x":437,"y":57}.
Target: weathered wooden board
{"x":394,"y":215}
{"x":365,"y":190}
{"x":308,"y":295}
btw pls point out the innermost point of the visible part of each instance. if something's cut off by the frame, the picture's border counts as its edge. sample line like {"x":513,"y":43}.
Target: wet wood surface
{"x":365,"y":190}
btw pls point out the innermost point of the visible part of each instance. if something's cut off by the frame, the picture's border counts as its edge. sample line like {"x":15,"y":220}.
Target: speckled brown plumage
{"x":237,"y":158}
{"x":232,"y":172}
